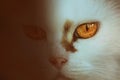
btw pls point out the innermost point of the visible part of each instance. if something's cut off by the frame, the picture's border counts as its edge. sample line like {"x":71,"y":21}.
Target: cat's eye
{"x":34,"y":32}
{"x":86,"y":30}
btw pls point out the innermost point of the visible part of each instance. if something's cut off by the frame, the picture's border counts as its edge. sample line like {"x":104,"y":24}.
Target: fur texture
{"x":96,"y":58}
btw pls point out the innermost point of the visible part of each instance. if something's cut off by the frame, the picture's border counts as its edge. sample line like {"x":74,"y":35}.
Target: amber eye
{"x":34,"y":32}
{"x":86,"y":30}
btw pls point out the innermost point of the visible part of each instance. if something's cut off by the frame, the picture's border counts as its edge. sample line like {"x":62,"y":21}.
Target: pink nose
{"x":58,"y":62}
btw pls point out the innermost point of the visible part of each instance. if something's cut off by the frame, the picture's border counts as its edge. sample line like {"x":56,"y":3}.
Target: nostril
{"x":58,"y":62}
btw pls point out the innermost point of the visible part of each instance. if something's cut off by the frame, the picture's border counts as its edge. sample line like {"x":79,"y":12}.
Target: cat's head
{"x":83,"y":38}
{"x":88,"y":58}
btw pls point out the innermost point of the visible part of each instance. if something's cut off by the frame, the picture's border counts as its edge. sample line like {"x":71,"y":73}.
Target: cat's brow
{"x":68,"y":45}
{"x":67,"y":25}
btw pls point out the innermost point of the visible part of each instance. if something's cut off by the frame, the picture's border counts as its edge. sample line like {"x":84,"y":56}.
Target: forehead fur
{"x":81,"y":10}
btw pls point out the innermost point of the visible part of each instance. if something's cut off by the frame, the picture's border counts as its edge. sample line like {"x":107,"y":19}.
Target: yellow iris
{"x":87,"y":30}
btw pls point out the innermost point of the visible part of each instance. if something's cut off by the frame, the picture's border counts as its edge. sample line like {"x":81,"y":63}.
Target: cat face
{"x":93,"y":58}
{"x":60,"y":40}
{"x":80,"y":40}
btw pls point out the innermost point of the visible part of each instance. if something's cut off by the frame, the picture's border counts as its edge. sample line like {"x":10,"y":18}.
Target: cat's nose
{"x":58,"y":62}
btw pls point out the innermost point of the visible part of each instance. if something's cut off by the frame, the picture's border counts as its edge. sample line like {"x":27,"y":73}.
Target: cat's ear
{"x":34,"y":32}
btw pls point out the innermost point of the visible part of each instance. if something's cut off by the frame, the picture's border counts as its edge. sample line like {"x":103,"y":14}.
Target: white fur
{"x":97,"y":58}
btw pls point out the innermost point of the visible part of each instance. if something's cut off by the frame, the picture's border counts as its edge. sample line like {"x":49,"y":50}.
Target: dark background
{"x":22,"y":58}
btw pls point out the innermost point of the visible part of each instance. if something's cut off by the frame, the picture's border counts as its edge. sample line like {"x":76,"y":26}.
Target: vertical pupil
{"x":87,"y":28}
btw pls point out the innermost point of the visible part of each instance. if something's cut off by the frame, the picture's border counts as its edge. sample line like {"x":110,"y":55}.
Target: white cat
{"x":93,"y":58}
{"x":60,"y":40}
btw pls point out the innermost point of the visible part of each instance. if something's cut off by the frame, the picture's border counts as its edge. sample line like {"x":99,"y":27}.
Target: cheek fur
{"x":95,"y":58}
